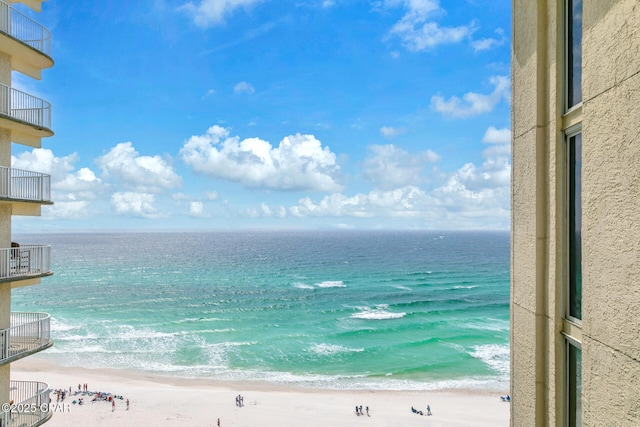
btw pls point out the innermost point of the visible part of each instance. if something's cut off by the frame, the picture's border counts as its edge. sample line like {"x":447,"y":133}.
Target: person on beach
{"x":113,"y":405}
{"x":428,"y":410}
{"x":218,"y":422}
{"x":127,"y":404}
{"x":357,"y":412}
{"x":368,"y":412}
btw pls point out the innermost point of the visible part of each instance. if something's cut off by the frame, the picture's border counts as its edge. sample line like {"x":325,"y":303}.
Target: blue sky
{"x":245,"y":114}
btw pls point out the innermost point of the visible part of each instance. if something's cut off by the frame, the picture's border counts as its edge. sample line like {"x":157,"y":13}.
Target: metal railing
{"x":24,"y":107}
{"x":21,"y":27}
{"x":30,"y":407}
{"x":25,"y":261}
{"x":20,"y":184}
{"x":27,"y":333}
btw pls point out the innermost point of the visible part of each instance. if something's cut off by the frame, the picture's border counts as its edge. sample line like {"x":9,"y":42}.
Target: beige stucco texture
{"x":611,"y":219}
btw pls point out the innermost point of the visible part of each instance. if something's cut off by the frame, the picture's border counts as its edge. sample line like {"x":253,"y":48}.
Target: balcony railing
{"x":30,"y":407}
{"x":18,"y":184}
{"x":24,"y":107}
{"x":27,"y":334}
{"x":19,"y":26}
{"x":25,"y":261}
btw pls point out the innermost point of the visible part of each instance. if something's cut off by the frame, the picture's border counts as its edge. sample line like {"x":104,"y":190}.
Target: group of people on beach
{"x":83,"y":390}
{"x":359,"y":410}
{"x":239,"y":400}
{"x":418,"y":412}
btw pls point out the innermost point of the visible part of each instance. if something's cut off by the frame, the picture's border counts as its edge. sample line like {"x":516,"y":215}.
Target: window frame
{"x":573,"y":411}
{"x":569,"y":80}
{"x":569,"y":232}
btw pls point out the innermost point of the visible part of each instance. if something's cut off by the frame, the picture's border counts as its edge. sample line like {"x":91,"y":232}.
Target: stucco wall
{"x":611,"y":212}
{"x":610,"y":117}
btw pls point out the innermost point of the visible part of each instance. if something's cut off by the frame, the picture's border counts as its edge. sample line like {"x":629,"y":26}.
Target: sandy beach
{"x":161,"y":400}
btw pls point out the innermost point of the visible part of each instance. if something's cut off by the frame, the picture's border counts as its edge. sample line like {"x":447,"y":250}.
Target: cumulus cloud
{"x":390,"y":132}
{"x":196,"y":209}
{"x":243,"y":87}
{"x":135,"y":204}
{"x":67,"y":210}
{"x":490,"y":43}
{"x":140,"y":173}
{"x":500,"y":140}
{"x":208,"y":13}
{"x":417,"y":31}
{"x":497,"y":136}
{"x":299,"y":162}
{"x":404,"y":202}
{"x":211,"y":195}
{"x":71,"y":189}
{"x":61,"y":169}
{"x":473,"y":104}
{"x":388,"y":166}
{"x":470,"y":197}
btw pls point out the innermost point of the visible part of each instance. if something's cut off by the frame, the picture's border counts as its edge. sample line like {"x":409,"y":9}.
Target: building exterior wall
{"x":8,"y":136}
{"x":609,"y":330}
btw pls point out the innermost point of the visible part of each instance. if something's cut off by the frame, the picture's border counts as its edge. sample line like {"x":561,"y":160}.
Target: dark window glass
{"x":574,"y":53}
{"x":574,"y":386}
{"x":575,"y":226}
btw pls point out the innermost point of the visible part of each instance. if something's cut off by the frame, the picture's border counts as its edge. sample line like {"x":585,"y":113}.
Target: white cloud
{"x":196,"y":209}
{"x":211,"y":195}
{"x":140,"y":173}
{"x":389,"y":132}
{"x":61,"y":169}
{"x":403,"y":202}
{"x":470,"y":197}
{"x":497,"y":136}
{"x":489,"y":43}
{"x":500,"y":140}
{"x":208,"y":13}
{"x":134,"y":204}
{"x":71,"y":190}
{"x":209,"y":93}
{"x":473,"y":104}
{"x":299,"y":162}
{"x":388,"y":166}
{"x":417,"y":32}
{"x":67,"y":210}
{"x":243,"y":87}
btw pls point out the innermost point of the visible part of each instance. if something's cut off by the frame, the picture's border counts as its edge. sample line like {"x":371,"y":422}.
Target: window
{"x":574,"y":200}
{"x":573,"y":53}
{"x":574,"y":385}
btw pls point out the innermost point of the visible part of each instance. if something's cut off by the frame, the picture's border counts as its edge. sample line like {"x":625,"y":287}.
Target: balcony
{"x":24,"y":186}
{"x":28,"y":42}
{"x":28,"y":333}
{"x":27,"y":113}
{"x":31,"y":404}
{"x":25,"y":262}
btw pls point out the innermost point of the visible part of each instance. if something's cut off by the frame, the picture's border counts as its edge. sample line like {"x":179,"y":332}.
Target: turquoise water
{"x":393,"y":310}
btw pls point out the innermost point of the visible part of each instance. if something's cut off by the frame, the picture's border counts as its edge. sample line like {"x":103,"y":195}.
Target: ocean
{"x":333,"y":309}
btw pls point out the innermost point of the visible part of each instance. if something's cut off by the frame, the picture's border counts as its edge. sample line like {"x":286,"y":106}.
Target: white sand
{"x":159,"y":400}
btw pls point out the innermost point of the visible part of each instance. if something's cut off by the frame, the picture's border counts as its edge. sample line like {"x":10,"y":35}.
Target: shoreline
{"x":166,"y":400}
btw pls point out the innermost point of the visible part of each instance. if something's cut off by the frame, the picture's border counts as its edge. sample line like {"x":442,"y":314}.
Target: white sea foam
{"x":76,"y":337}
{"x":198,"y":319}
{"x":465,"y":287}
{"x":496,"y":356}
{"x":301,"y":285}
{"x":378,"y":313}
{"x":330,"y":349}
{"x":58,"y":326}
{"x":488,"y":324}
{"x":332,"y":284}
{"x":404,"y":288}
